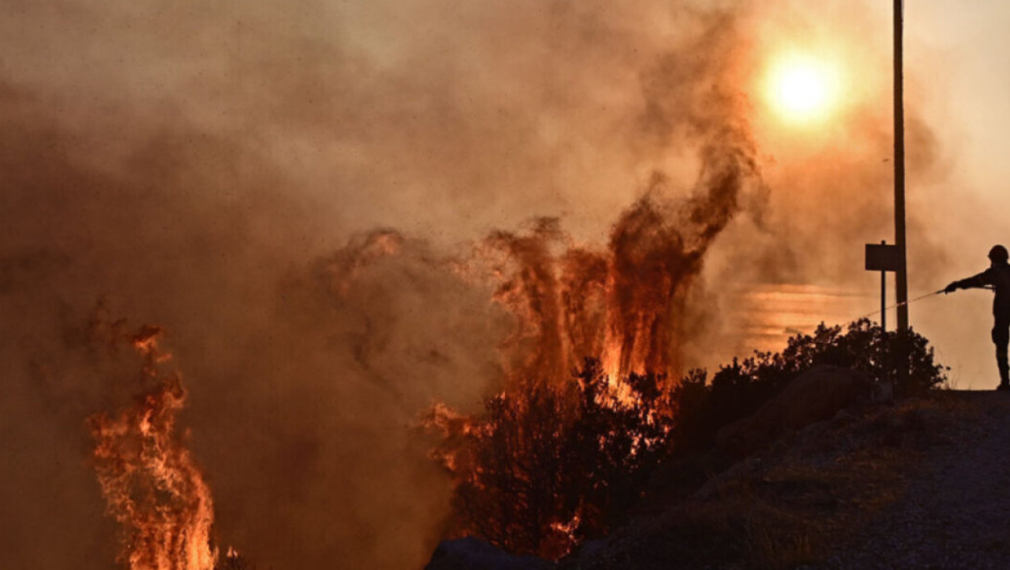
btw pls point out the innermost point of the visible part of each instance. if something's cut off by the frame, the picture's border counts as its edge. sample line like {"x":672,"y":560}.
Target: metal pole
{"x":899,"y":169}
{"x":901,"y":281}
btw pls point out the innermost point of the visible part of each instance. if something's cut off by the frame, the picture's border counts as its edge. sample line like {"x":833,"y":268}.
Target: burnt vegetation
{"x":547,"y":466}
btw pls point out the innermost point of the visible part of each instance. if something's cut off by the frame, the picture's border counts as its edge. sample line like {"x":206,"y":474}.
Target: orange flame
{"x":621,"y":304}
{"x":150,"y":482}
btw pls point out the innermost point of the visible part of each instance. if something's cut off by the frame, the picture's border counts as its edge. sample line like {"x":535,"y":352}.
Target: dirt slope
{"x":924,"y":484}
{"x":955,"y":510}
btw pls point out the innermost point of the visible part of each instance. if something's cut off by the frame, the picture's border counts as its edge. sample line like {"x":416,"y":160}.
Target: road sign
{"x":882,"y":257}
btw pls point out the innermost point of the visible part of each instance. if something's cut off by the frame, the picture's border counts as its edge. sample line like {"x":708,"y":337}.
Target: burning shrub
{"x":148,"y":477}
{"x":545,"y":467}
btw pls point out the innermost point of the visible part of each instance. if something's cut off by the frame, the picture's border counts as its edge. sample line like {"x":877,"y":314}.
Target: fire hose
{"x":909,"y":302}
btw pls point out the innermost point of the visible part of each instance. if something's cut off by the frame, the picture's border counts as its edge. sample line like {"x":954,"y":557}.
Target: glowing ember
{"x":148,"y":478}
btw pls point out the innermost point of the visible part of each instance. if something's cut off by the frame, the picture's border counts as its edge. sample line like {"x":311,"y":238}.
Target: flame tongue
{"x":148,"y":478}
{"x":621,"y":304}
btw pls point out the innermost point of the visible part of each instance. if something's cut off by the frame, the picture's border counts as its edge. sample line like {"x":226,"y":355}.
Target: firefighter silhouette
{"x":997,"y":277}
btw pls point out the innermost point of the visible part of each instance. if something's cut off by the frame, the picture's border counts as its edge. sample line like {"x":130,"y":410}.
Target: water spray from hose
{"x":909,"y":302}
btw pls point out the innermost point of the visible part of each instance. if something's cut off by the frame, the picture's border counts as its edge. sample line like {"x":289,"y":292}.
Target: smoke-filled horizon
{"x":322,"y":203}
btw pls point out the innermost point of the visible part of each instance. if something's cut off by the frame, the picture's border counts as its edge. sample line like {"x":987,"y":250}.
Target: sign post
{"x":883,"y":258}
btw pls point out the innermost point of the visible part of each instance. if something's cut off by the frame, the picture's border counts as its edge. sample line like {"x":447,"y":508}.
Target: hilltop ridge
{"x":919,"y":484}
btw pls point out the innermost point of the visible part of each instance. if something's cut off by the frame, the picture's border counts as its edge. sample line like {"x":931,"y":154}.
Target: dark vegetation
{"x":545,"y":468}
{"x":737,"y":390}
{"x":233,"y":562}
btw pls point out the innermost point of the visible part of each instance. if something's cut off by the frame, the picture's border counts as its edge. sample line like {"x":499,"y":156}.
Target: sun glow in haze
{"x":802,"y":89}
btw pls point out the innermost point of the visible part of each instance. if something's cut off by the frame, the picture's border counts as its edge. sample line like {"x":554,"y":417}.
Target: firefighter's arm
{"x":979,"y":281}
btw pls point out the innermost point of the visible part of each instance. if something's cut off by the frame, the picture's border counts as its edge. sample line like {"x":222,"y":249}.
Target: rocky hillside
{"x":824,"y":479}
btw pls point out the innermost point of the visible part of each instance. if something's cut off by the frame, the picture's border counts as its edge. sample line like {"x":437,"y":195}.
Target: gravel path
{"x":956,"y":513}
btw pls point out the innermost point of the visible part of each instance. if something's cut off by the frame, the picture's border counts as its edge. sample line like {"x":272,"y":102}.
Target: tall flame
{"x":623,"y":304}
{"x":149,"y":480}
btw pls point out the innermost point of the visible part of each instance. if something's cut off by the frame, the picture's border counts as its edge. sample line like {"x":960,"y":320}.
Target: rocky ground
{"x":955,"y":510}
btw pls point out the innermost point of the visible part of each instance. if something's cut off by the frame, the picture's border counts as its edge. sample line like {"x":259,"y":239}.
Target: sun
{"x":802,"y":89}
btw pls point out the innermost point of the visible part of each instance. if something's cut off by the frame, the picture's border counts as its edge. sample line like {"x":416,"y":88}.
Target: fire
{"x":150,"y":482}
{"x":621,"y":304}
{"x":586,"y":403}
{"x":624,"y":305}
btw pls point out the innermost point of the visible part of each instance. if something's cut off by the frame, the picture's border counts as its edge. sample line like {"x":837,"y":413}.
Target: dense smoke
{"x":220,"y":170}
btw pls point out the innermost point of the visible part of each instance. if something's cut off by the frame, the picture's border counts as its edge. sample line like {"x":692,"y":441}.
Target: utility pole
{"x":901,"y":280}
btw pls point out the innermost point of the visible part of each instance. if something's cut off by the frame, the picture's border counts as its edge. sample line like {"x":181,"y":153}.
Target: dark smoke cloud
{"x":219,"y":169}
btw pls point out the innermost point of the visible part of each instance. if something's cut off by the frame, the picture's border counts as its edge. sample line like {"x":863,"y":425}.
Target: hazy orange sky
{"x":957,"y":60}
{"x":212,"y":166}
{"x":956,"y":83}
{"x":965,"y":60}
